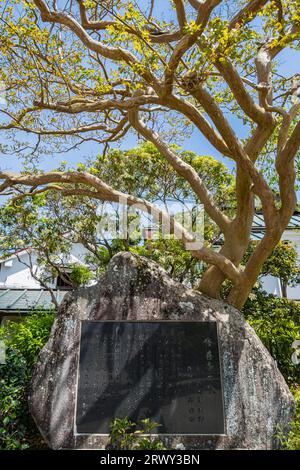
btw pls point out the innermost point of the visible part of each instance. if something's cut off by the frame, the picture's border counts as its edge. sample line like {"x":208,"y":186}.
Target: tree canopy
{"x":97,"y":70}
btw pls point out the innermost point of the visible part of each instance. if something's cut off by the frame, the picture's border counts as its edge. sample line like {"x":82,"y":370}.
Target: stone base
{"x":257,"y":400}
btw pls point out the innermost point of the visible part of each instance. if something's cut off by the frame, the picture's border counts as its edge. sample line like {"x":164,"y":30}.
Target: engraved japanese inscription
{"x":166,"y":371}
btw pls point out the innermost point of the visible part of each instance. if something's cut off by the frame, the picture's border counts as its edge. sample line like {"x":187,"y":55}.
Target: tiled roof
{"x":258,"y":227}
{"x":24,"y":300}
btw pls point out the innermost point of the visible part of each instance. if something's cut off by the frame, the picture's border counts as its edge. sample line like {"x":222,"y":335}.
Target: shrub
{"x":126,"y":435}
{"x":23,"y":340}
{"x":292,"y":440}
{"x":277,"y":323}
{"x":28,"y":337}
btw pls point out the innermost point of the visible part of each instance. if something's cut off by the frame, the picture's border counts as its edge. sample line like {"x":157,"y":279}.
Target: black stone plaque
{"x":166,"y":371}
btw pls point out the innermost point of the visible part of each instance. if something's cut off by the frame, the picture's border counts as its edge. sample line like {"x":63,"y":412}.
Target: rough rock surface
{"x":256,"y":397}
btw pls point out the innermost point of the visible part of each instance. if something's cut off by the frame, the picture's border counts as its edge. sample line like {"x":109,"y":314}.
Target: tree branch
{"x":236,"y":85}
{"x":183,"y":169}
{"x":192,"y":113}
{"x":77,"y":106}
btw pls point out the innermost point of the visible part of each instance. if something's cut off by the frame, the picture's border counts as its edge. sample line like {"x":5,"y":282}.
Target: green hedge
{"x":23,"y":341}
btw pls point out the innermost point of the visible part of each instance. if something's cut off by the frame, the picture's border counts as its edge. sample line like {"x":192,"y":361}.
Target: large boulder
{"x":257,"y":401}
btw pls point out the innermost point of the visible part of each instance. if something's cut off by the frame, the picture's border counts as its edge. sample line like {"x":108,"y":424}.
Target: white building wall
{"x":15,"y":274}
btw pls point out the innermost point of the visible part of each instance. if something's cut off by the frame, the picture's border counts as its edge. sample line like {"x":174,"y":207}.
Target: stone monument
{"x":139,"y":344}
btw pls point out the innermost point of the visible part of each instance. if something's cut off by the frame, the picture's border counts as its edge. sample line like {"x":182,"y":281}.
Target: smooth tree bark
{"x":96,"y":70}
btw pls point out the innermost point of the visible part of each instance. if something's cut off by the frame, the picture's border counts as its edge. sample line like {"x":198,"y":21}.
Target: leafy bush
{"x":277,"y":323}
{"x":80,"y":274}
{"x":28,"y":337}
{"x":292,"y":440}
{"x":23,"y":340}
{"x":126,"y":435}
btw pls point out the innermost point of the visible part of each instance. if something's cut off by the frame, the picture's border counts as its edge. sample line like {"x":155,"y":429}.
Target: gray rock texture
{"x":256,"y":398}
